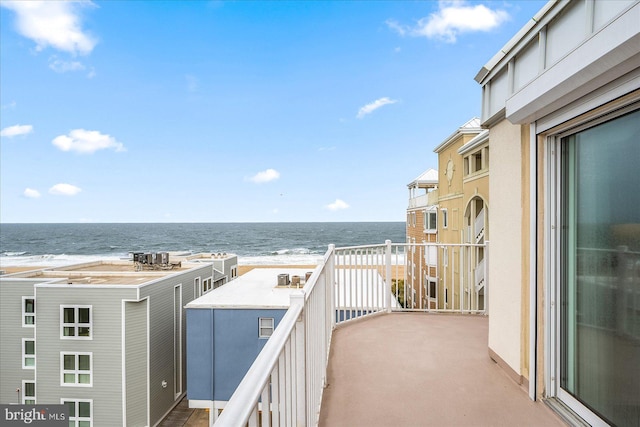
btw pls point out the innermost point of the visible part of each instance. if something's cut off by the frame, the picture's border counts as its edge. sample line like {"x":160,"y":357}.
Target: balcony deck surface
{"x":416,"y":369}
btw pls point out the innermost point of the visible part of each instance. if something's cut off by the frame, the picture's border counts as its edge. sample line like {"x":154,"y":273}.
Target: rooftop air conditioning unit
{"x":283,"y":280}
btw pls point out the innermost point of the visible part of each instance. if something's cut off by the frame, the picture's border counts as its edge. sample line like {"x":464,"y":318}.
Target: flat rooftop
{"x":102,"y":273}
{"x":256,"y":289}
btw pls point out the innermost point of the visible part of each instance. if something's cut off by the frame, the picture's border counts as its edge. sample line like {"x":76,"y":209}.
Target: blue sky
{"x":246,"y":111}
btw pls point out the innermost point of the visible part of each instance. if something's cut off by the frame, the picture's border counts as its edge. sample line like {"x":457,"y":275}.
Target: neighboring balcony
{"x":424,"y":200}
{"x":347,"y":353}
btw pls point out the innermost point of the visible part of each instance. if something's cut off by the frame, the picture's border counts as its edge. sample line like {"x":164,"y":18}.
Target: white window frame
{"x":445,"y":218}
{"x":76,"y":418}
{"x":76,"y":371}
{"x":26,"y":314}
{"x":234,"y":272}
{"x":207,"y":285}
{"x":197,"y":290}
{"x":427,"y":221}
{"x":24,"y":393}
{"x":26,"y":356}
{"x":76,"y":324}
{"x":265,"y":331}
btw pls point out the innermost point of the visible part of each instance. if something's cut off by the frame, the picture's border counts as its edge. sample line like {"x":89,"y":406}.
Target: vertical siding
{"x":200,"y":354}
{"x":11,"y":335}
{"x":236,"y":346}
{"x":136,"y":363}
{"x":106,"y":344}
{"x":161,"y":337}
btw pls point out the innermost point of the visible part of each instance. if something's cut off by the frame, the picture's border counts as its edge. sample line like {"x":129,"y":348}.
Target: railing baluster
{"x":266,"y":407}
{"x":275,"y":394}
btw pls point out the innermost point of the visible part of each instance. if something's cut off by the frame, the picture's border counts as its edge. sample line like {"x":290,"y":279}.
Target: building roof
{"x":508,"y":48}
{"x":101,"y":273}
{"x":426,"y":178}
{"x":256,"y":289}
{"x":472,"y":126}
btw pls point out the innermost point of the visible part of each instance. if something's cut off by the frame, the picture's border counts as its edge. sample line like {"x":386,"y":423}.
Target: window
{"x":28,"y":311}
{"x":431,"y":221}
{"x":28,"y":353}
{"x":76,"y":322}
{"x":234,"y":272}
{"x":196,"y":287}
{"x":265,"y":326}
{"x":477,"y":161}
{"x":28,"y":393}
{"x":432,"y":289}
{"x":445,"y":218}
{"x":76,"y":369}
{"x":80,"y":412}
{"x":599,"y":253}
{"x":206,"y":285}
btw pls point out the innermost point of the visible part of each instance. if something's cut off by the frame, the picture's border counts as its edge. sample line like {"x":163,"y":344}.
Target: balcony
{"x":347,"y":353}
{"x":424,"y":200}
{"x":414,"y":369}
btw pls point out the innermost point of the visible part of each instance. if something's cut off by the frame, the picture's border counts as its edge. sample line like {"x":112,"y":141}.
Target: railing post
{"x":486,"y":278}
{"x":330,"y":288}
{"x":300,"y":359}
{"x":387,"y":261}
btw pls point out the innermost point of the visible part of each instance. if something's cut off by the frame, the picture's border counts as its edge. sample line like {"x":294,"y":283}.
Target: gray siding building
{"x":108,"y":339}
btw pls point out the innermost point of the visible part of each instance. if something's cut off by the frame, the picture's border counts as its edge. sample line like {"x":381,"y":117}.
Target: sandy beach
{"x":242,"y":269}
{"x":397,"y":271}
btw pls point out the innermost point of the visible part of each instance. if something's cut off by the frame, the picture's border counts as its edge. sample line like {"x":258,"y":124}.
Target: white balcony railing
{"x":418,"y":201}
{"x":479,"y":275}
{"x":285,"y":383}
{"x":479,"y":225}
{"x":428,"y":199}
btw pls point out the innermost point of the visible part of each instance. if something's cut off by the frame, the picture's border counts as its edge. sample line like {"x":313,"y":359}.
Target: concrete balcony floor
{"x":418,"y":369}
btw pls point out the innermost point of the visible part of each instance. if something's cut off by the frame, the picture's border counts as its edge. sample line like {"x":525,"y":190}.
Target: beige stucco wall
{"x":505,"y":253}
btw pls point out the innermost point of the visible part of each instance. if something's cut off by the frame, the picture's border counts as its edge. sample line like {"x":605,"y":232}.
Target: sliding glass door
{"x":599,"y":314}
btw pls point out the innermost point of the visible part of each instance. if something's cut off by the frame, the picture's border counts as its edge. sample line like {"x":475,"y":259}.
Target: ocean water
{"x":254,"y":243}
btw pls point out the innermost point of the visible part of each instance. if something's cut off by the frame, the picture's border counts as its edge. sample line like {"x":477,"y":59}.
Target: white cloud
{"x":16,"y":130}
{"x":395,"y":26}
{"x":61,"y":66}
{"x":31,"y":193}
{"x":453,"y":17}
{"x":52,"y":23}
{"x":372,"y":106}
{"x":9,"y":106}
{"x":338,"y":205}
{"x":86,"y":141}
{"x":192,"y":82}
{"x":265,"y":176}
{"x":64,"y":190}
